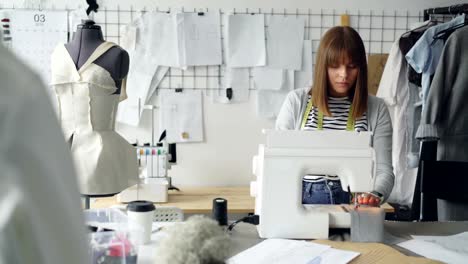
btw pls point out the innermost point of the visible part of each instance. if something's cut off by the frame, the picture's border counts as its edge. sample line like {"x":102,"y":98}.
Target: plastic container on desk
{"x":106,"y":219}
{"x":112,"y":248}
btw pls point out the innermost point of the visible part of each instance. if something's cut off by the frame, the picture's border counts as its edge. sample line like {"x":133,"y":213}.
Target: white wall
{"x":291,"y":4}
{"x":232,"y":132}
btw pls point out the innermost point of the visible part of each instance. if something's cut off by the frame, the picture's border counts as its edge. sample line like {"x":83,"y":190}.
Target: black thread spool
{"x":220,"y":211}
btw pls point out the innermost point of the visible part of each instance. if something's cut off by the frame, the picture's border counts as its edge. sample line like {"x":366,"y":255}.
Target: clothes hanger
{"x":423,"y":27}
{"x":444,"y":34}
{"x":431,"y":23}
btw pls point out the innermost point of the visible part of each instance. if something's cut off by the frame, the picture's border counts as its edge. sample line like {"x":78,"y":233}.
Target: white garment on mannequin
{"x":106,"y":163}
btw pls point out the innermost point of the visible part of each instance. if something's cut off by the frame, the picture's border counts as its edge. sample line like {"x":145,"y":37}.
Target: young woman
{"x":339,"y":100}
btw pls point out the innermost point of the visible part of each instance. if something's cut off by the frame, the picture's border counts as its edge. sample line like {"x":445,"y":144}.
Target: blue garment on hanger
{"x":425,"y":54}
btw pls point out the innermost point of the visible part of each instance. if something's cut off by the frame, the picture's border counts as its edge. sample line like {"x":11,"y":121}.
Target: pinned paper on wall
{"x":140,"y":75}
{"x":273,"y":79}
{"x":303,"y":78}
{"x":161,"y":41}
{"x":290,"y":82}
{"x":143,"y":78}
{"x":268,"y":79}
{"x":199,"y":35}
{"x":131,"y":109}
{"x":285,"y":38}
{"x":157,"y":78}
{"x":236,"y":79}
{"x":76,"y":17}
{"x":180,"y":114}
{"x":34,"y":36}
{"x":128,"y":35}
{"x":245,"y":40}
{"x":269,"y":103}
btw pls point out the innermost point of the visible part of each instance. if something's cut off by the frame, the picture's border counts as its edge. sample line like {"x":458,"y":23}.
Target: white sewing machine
{"x":280,"y":167}
{"x":154,"y":182}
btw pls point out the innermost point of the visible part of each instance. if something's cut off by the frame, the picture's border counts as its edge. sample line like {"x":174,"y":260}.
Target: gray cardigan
{"x":445,"y":113}
{"x":378,"y":120}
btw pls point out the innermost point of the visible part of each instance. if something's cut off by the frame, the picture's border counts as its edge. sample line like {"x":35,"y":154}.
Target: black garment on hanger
{"x":406,"y":42}
{"x":445,"y":34}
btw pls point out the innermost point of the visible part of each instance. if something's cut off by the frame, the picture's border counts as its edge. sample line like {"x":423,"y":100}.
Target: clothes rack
{"x":429,"y":186}
{"x":448,"y":10}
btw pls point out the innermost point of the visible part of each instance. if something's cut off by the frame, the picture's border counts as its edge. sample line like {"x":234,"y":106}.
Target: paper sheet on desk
{"x":292,"y":251}
{"x":285,"y":36}
{"x":335,"y":256}
{"x":449,"y":249}
{"x":246,"y":40}
{"x":376,"y":253}
{"x":279,"y":251}
{"x":434,"y":251}
{"x":457,"y":243}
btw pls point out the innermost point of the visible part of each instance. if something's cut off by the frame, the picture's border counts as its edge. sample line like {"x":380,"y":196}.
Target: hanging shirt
{"x":407,"y":41}
{"x":444,"y":116}
{"x":425,"y":54}
{"x":40,"y":219}
{"x":394,"y":89}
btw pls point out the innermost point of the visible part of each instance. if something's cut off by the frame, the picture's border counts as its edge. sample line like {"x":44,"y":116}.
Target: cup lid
{"x":141,"y":206}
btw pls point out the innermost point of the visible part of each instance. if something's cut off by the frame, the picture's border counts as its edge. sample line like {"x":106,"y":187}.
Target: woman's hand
{"x":368,"y":199}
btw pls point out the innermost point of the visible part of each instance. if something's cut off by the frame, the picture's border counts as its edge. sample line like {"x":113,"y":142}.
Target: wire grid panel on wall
{"x":378,"y":29}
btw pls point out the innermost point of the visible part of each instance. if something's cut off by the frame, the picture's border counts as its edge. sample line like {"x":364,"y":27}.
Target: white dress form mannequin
{"x":88,"y":78}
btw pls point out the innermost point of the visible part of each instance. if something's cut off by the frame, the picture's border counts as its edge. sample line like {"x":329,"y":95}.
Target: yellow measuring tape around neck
{"x":349,"y":123}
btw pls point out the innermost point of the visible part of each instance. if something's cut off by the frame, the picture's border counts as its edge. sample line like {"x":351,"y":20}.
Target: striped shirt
{"x":339,"y":108}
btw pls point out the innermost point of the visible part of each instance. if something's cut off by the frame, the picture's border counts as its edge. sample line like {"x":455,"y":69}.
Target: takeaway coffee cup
{"x":140,"y":219}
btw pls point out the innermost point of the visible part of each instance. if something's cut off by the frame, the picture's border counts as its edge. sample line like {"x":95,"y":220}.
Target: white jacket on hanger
{"x":40,"y":213}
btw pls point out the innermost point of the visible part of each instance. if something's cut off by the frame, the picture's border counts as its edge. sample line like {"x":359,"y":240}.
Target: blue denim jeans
{"x":324,"y":192}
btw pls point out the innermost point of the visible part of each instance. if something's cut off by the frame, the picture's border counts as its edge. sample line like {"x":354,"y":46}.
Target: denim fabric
{"x":324,"y":192}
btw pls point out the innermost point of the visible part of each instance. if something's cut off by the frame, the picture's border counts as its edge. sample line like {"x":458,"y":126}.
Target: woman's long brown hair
{"x":339,"y":45}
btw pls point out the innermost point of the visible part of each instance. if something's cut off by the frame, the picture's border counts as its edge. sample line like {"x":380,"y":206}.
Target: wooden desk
{"x":199,"y":200}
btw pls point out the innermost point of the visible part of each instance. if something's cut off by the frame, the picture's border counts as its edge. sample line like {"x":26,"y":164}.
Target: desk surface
{"x":245,"y":236}
{"x":199,"y":200}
